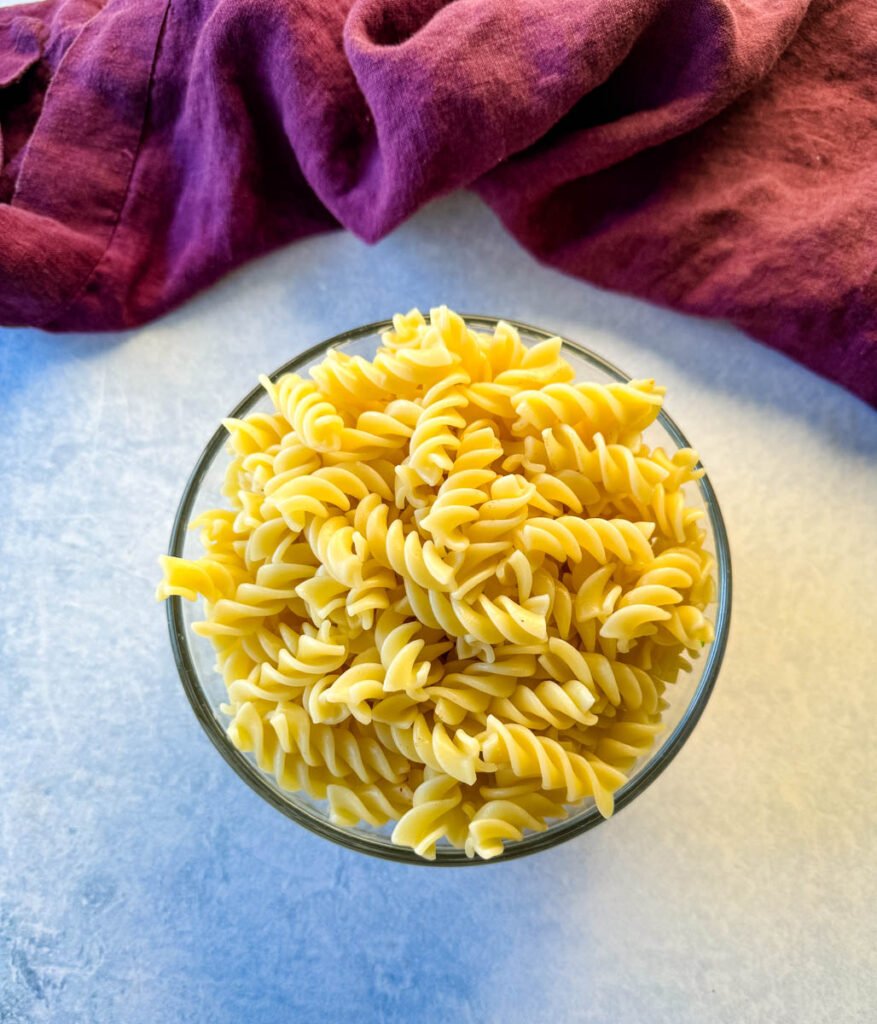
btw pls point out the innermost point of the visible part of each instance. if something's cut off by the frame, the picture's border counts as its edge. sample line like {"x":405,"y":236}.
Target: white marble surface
{"x":141,"y":881}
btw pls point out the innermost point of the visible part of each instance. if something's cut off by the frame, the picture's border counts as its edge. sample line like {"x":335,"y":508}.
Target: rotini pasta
{"x":451,"y":585}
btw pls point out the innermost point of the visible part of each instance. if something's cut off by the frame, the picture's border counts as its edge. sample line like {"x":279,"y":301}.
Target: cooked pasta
{"x":452,"y":585}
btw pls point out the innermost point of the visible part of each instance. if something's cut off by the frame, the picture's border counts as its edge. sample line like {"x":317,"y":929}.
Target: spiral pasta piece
{"x":326,"y":489}
{"x":596,"y":408}
{"x":374,"y":804}
{"x":568,"y":538}
{"x":434,"y":439}
{"x":460,"y":494}
{"x":530,"y":755}
{"x":548,"y":703}
{"x":208,"y":577}
{"x":399,"y":647}
{"x":315,"y":421}
{"x":503,"y":819}
{"x":431,"y":816}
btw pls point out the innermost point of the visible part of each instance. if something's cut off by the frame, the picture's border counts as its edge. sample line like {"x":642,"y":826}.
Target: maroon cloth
{"x":717,"y":156}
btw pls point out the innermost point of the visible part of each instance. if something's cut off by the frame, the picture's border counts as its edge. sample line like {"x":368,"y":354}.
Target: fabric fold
{"x":21,"y":45}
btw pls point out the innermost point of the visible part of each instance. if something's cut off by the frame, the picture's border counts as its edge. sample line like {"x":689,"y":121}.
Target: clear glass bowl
{"x":206,"y":691}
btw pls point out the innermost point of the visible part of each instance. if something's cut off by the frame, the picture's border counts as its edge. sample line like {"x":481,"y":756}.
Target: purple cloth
{"x":716,"y":156}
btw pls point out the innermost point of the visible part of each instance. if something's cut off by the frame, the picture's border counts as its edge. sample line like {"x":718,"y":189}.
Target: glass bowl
{"x":205,"y":688}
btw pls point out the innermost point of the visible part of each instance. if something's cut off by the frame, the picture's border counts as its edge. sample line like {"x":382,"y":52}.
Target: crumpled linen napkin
{"x":716,"y":156}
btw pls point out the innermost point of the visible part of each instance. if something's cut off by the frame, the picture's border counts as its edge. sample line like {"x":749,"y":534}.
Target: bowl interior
{"x":206,"y":690}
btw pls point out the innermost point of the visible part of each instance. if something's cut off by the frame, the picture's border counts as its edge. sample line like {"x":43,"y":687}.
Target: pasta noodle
{"x":451,"y":585}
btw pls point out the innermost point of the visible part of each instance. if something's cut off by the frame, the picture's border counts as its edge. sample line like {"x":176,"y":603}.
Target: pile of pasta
{"x":451,"y":585}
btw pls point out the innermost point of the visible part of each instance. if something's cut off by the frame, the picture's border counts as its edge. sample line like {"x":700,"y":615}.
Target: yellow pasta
{"x":451,"y":585}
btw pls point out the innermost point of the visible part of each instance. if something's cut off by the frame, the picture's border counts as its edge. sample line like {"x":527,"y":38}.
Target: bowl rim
{"x":564,"y":829}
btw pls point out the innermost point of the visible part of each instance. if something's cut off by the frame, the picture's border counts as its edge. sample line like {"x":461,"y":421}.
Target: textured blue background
{"x":141,"y":881}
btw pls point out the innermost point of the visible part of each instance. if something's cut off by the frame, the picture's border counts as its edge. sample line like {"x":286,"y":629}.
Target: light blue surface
{"x":140,"y":880}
